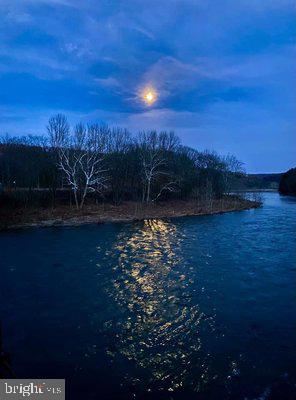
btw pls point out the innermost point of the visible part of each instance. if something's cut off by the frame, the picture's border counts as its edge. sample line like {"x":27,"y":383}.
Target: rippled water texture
{"x":192,"y":308}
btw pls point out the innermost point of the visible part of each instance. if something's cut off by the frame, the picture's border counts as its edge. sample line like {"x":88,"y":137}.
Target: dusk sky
{"x":224,"y":71}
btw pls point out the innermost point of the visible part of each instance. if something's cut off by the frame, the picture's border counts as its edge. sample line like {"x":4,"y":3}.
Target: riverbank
{"x":127,"y":211}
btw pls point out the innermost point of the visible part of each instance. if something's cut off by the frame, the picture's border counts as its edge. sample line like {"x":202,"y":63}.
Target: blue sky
{"x":224,"y":70}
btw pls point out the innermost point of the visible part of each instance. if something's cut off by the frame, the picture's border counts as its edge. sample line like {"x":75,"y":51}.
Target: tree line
{"x":94,"y":161}
{"x":288,"y":182}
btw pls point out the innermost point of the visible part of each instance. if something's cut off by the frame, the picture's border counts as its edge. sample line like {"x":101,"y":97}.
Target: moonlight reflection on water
{"x":159,"y":324}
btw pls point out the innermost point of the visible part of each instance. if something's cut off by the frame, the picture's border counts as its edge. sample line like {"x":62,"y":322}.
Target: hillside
{"x":257,"y":182}
{"x":288,"y":182}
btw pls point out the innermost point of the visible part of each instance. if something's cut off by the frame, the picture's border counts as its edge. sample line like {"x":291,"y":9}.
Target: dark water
{"x":192,"y":308}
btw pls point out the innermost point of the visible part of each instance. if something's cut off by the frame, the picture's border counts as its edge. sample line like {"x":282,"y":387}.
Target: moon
{"x":149,"y":96}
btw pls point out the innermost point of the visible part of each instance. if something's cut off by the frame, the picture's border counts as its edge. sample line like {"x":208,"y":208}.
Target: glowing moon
{"x":149,"y":96}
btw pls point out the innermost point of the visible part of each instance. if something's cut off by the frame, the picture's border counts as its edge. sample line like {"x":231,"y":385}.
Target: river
{"x":191,"y":308}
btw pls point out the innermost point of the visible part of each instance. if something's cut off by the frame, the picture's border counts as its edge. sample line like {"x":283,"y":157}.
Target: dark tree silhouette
{"x":288,"y":182}
{"x":91,"y":161}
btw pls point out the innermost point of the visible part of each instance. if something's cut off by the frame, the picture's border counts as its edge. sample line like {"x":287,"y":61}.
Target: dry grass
{"x":127,"y":211}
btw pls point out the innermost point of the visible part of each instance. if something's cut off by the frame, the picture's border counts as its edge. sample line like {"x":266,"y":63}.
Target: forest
{"x":90,"y":163}
{"x":288,"y":182}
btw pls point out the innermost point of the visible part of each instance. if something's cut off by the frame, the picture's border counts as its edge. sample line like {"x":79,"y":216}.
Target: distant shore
{"x":126,"y":212}
{"x":255,"y":190}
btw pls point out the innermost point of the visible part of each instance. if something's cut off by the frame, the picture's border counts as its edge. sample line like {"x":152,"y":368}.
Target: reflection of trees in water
{"x":158,"y":327}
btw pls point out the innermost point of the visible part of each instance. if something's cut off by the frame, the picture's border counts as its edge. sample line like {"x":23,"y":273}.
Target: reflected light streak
{"x":159,"y":329}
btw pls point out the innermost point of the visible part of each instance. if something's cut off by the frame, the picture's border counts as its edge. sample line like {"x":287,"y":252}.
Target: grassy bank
{"x":127,"y":211}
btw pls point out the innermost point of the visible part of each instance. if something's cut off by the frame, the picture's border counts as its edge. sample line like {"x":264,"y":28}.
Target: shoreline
{"x":63,"y":216}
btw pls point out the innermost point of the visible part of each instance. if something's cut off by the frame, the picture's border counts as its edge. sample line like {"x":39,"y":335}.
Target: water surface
{"x":191,"y":308}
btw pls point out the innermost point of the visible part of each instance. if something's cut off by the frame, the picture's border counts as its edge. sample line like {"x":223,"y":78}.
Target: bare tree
{"x":79,"y":155}
{"x":171,"y":187}
{"x":169,"y":141}
{"x":91,"y":161}
{"x":232,"y":168}
{"x":58,"y":129}
{"x":122,"y":165}
{"x":153,"y":148}
{"x":118,"y":140}
{"x":67,"y":150}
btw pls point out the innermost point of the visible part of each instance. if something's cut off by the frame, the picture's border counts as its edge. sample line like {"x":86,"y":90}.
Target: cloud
{"x":169,"y":73}
{"x":109,"y":82}
{"x":19,"y":18}
{"x":223,"y":71}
